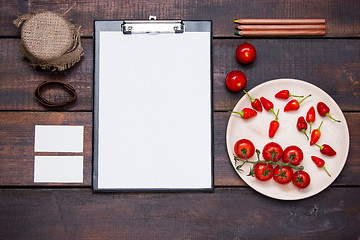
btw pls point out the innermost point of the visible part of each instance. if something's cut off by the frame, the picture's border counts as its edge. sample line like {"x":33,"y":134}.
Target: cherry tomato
{"x":301,"y":179}
{"x":244,"y":144}
{"x":235,"y":81}
{"x":293,"y":152}
{"x":283,"y":177}
{"x":268,"y":148}
{"x":245,"y":53}
{"x":259,"y":170}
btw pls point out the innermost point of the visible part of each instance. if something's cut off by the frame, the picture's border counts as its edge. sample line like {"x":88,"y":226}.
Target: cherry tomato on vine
{"x":242,"y":144}
{"x":294,"y":153}
{"x":245,"y":53}
{"x":235,"y":81}
{"x":268,"y":148}
{"x":301,"y":179}
{"x":284,"y":175}
{"x":259,"y":171}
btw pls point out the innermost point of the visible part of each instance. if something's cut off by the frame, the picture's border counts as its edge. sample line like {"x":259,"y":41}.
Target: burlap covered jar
{"x":49,"y":41}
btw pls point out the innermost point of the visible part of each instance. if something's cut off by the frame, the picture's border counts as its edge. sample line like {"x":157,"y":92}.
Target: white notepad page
{"x":154,"y":125}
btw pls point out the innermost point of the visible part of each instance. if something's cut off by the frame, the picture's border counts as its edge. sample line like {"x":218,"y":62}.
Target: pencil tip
{"x":236,"y":33}
{"x":236,"y":21}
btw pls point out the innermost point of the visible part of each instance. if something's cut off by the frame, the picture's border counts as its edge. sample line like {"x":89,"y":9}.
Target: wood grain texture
{"x":17,"y":131}
{"x":17,"y":148}
{"x":19,"y":80}
{"x":224,"y":214}
{"x":331,"y":64}
{"x":222,"y":13}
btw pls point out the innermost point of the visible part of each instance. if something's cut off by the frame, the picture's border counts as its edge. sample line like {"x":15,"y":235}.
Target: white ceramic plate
{"x":256,"y":129}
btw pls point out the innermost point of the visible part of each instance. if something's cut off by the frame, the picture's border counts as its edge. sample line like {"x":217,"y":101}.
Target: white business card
{"x":59,"y":138}
{"x":58,"y":169}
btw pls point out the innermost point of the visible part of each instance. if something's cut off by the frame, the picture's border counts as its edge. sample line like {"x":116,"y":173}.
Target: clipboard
{"x":153,"y":106}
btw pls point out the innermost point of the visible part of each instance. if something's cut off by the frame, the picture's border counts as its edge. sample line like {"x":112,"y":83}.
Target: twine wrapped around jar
{"x":49,"y":41}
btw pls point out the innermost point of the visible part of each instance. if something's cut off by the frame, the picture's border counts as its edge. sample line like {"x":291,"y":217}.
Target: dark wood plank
{"x":225,"y":214}
{"x":225,"y":174}
{"x":17,"y":148}
{"x":342,"y":18}
{"x":19,"y":80}
{"x":17,"y":131}
{"x":9,"y":11}
{"x":331,"y":64}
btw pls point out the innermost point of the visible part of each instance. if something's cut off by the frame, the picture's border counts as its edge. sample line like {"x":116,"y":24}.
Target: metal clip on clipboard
{"x":152,"y":26}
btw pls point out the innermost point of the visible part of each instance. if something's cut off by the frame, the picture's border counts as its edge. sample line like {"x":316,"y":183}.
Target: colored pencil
{"x":253,"y":33}
{"x":281,"y":27}
{"x":280,"y":21}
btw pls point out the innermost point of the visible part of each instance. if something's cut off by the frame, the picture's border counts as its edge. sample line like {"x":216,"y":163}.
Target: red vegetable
{"x":267,"y":104}
{"x":301,"y":179}
{"x":320,"y":163}
{"x":293,"y":153}
{"x":235,"y":81}
{"x":315,"y":135}
{"x":326,"y":150}
{"x":302,"y":126}
{"x":274,"y":125}
{"x":283,"y":175}
{"x":244,"y":148}
{"x":324,"y":110}
{"x":255,"y":103}
{"x":285,"y":94}
{"x":245,"y":53}
{"x":263,"y":171}
{"x":269,"y":149}
{"x":310,"y":116}
{"x":246,"y":113}
{"x":294,"y":104}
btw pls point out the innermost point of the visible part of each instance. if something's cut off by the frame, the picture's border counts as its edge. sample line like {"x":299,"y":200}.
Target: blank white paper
{"x":54,"y":138}
{"x":58,"y":169}
{"x":154,"y":111}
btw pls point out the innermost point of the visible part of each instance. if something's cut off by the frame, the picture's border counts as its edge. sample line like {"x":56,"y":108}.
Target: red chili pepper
{"x":324,"y":110}
{"x":320,"y":163}
{"x":315,"y":135}
{"x":255,"y":103}
{"x":285,"y":94}
{"x":246,"y":113}
{"x":294,"y":104}
{"x":268,"y":105}
{"x":310,"y":116}
{"x":326,"y":150}
{"x":302,"y":126}
{"x":274,"y":125}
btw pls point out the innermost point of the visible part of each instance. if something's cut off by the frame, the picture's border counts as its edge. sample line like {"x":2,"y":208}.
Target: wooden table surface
{"x":234,"y":210}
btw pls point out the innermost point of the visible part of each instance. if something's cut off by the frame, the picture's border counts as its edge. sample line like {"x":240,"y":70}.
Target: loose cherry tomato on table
{"x":269,"y":148}
{"x":245,"y":53}
{"x":235,"y":81}
{"x":283,"y":175}
{"x":244,"y":145}
{"x":263,"y":172}
{"x":301,"y":179}
{"x":293,"y":153}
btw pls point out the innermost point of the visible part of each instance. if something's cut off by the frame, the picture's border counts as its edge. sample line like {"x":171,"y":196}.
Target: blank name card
{"x":59,"y":138}
{"x":58,"y":169}
{"x":153,"y":109}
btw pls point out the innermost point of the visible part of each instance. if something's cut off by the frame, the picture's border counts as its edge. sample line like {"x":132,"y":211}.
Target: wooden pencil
{"x":253,"y":33}
{"x":281,"y":27}
{"x":280,"y":21}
